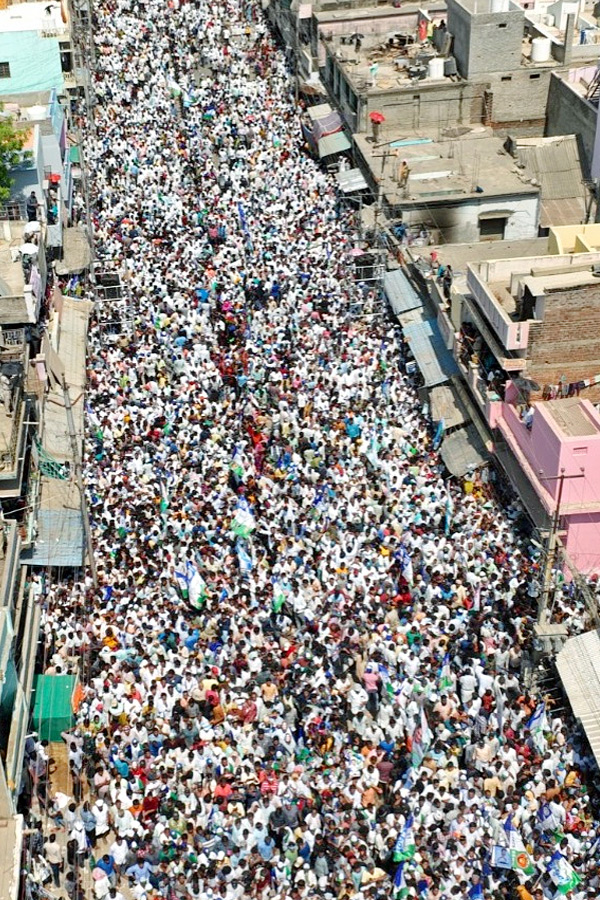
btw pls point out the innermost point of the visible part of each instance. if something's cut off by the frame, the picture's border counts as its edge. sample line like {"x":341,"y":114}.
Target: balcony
{"x":499,"y":313}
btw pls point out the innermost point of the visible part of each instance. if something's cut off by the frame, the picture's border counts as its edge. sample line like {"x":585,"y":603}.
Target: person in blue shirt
{"x":107,"y":864}
{"x":266,"y":848}
{"x":141,"y":870}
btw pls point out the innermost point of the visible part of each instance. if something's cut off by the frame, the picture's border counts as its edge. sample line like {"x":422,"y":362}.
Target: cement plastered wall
{"x":438,"y":105}
{"x":485,"y":42}
{"x":520,"y":96}
{"x":569,"y":113}
{"x":459,"y":223}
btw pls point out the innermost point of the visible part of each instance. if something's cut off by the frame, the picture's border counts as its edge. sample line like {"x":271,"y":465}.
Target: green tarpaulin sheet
{"x":52,"y":712}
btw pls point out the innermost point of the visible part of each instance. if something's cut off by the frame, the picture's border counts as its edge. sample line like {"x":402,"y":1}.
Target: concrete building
{"x":461,"y":186}
{"x":573,"y":107}
{"x":522,"y":333}
{"x":574,"y":239}
{"x":35,"y":48}
{"x":562,"y":440}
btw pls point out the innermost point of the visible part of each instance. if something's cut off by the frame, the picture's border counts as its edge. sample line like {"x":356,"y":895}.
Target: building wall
{"x":459,"y":223}
{"x":30,"y":177}
{"x":519,"y":100}
{"x":440,"y":104}
{"x":570,"y":113}
{"x":485,"y":42}
{"x":566,"y":343}
{"x":396,"y":20}
{"x":34,"y":62}
{"x":582,"y":541}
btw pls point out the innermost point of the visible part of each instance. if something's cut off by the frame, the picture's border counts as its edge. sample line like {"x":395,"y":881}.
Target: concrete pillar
{"x":569,"y":35}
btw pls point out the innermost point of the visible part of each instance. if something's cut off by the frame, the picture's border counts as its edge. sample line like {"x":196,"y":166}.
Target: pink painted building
{"x":564,"y":438}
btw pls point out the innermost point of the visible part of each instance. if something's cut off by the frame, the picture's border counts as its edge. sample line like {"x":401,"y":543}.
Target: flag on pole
{"x":400,"y":889}
{"x":243,"y":523}
{"x":439,"y":434}
{"x":426,"y":732}
{"x":405,"y":843}
{"x":406,"y":566}
{"x":236,"y":466}
{"x":445,"y":680}
{"x":520,"y":859}
{"x":562,"y":873}
{"x":244,"y":558}
{"x":448,"y":515}
{"x":549,"y":822}
{"x":536,"y":726}
{"x":192,"y":585}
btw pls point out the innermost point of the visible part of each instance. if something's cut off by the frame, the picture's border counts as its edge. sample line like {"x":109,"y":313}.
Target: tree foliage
{"x":12,"y":141}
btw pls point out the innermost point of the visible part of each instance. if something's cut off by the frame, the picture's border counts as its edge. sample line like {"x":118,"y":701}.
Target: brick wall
{"x":567,"y":343}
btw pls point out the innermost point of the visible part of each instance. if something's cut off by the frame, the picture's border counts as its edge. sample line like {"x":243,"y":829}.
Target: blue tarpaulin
{"x":59,"y":541}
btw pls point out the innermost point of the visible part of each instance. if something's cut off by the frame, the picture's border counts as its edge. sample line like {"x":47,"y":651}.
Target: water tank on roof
{"x":540,"y":49}
{"x":498,"y":6}
{"x":435,"y":69}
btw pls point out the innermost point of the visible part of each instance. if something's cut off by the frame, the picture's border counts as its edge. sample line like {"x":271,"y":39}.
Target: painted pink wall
{"x":583,"y":541}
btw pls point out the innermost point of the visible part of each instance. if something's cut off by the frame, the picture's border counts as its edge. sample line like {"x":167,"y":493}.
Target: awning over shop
{"x":434,"y":360}
{"x":60,"y":539}
{"x":313,"y":88}
{"x":400,"y":292}
{"x":74,"y":154}
{"x":317,"y":112}
{"x":351,"y":181}
{"x":332,"y":144}
{"x":463,"y":451}
{"x":326,"y":125}
{"x":444,"y":405}
{"x":578,"y":665}
{"x":53,"y":711}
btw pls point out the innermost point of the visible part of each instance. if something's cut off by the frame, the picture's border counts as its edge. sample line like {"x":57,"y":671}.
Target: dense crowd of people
{"x":302,"y":673}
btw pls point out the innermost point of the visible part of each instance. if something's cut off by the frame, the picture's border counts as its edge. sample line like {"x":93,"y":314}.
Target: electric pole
{"x":79,"y":478}
{"x":551,"y":545}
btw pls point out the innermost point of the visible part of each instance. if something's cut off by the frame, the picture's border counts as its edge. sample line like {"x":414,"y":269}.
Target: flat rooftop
{"x":371,"y":12}
{"x":572,"y":417}
{"x":33,"y":17}
{"x":396,"y":64}
{"x":12,"y":280}
{"x":465,"y":162}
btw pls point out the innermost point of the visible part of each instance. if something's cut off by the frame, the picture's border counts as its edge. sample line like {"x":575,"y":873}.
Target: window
{"x":66,"y":56}
{"x":502,"y":25}
{"x":506,"y":78}
{"x":535,"y":75}
{"x":4,"y":70}
{"x":492,"y":229}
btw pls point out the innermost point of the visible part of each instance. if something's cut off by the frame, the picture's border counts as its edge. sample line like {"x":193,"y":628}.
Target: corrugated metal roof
{"x":59,"y":541}
{"x":557,"y":168}
{"x":578,"y":665}
{"x":434,"y":360}
{"x":400,"y":293}
{"x":316,"y":112}
{"x":351,"y":180}
{"x":333,"y":143}
{"x":463,"y":451}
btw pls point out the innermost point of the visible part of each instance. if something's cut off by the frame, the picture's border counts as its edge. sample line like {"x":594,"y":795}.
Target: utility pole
{"x":79,"y":478}
{"x":551,"y":545}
